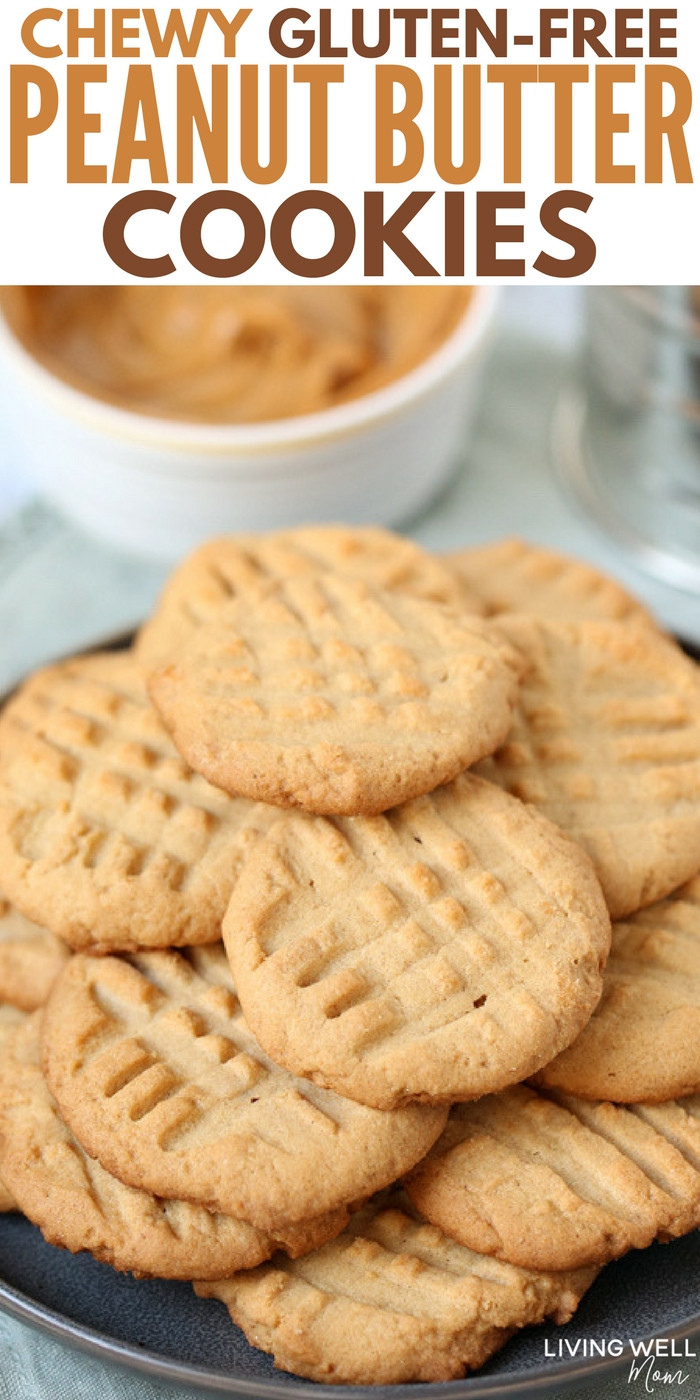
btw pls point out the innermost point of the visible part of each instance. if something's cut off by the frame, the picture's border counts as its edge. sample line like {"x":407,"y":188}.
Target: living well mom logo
{"x":660,"y":1363}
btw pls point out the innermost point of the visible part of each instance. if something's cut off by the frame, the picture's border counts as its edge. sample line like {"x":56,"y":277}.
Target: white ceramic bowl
{"x":159,"y":487}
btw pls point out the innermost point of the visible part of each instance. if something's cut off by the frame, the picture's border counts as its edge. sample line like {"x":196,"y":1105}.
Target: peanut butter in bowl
{"x":232,"y":355}
{"x":156,"y":417}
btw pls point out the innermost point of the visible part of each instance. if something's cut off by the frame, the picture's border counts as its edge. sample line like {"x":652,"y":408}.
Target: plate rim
{"x":534,"y":1381}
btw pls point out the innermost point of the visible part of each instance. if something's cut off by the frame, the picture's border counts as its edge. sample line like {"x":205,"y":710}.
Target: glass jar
{"x":628,"y":430}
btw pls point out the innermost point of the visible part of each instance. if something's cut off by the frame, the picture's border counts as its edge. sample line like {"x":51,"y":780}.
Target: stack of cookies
{"x":299,"y":892}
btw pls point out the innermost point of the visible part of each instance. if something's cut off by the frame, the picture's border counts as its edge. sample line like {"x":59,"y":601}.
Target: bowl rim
{"x":306,"y":430}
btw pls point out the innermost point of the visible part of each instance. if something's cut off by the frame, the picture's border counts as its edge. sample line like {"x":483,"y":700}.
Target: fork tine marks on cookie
{"x":171,"y":1092}
{"x":225,"y":568}
{"x":432,"y":953}
{"x":606,"y":742}
{"x":394,"y":695}
{"x":80,"y":1206}
{"x":391,"y":1300}
{"x":552,"y":1181}
{"x":132,"y":849}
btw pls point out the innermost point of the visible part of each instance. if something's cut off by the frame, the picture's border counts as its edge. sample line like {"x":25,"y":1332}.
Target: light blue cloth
{"x":34,"y":1367}
{"x":60,"y":591}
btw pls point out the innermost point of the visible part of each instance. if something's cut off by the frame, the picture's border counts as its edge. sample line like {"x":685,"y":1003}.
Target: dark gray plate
{"x":163,"y":1329}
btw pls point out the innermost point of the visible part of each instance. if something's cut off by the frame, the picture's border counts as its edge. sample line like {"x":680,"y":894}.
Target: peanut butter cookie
{"x":437,"y":952}
{"x":238,"y":565}
{"x":391,"y":1300}
{"x":326,"y":694}
{"x":106,"y":837}
{"x":556,"y":1182}
{"x":30,"y":959}
{"x":513,"y":576}
{"x":154,"y":1068}
{"x":78,"y":1205}
{"x":10,"y":1019}
{"x":606,"y":742}
{"x":642,"y":1043}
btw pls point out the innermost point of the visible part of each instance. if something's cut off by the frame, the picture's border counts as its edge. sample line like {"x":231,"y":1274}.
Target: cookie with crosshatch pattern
{"x":238,"y":565}
{"x":327,"y":694}
{"x":642,"y":1043}
{"x":80,"y":1206}
{"x":437,"y":952}
{"x":391,"y":1300}
{"x":549,"y":1181}
{"x":511,"y":575}
{"x":606,"y":743}
{"x":106,"y":836}
{"x":153,"y":1066}
{"x":30,"y":959}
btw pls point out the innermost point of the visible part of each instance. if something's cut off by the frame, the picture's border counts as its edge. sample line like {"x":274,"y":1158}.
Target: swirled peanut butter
{"x":232,"y":354}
